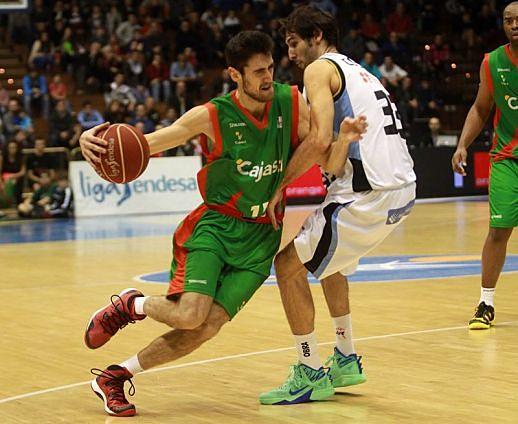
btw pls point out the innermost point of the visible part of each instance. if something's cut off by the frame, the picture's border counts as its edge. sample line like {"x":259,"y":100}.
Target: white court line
{"x":245,"y":355}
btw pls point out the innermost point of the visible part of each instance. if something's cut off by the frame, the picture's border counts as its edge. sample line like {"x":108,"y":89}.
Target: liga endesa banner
{"x":481,"y":169}
{"x":308,"y":185}
{"x":168,"y":185}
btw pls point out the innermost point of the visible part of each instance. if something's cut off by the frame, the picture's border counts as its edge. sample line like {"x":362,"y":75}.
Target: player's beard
{"x":258,"y":95}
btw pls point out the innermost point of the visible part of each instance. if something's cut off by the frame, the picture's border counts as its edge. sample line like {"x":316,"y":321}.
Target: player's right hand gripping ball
{"x":127,"y":154}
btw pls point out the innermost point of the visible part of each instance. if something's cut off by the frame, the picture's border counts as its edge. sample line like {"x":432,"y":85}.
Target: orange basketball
{"x":127,"y":154}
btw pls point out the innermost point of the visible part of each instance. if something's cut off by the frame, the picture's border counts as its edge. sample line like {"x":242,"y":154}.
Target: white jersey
{"x":380,"y":161}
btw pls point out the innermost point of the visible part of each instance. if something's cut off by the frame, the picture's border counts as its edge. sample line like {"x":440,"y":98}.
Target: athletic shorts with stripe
{"x":503,"y":194}
{"x":222,"y":257}
{"x":347,"y":227}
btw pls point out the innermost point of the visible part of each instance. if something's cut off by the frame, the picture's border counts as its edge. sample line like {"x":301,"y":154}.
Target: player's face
{"x":257,"y":78}
{"x":511,"y":23}
{"x":300,"y":51}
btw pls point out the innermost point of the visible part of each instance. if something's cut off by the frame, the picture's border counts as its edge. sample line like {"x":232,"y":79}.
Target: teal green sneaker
{"x":345,"y":370}
{"x":304,"y":384}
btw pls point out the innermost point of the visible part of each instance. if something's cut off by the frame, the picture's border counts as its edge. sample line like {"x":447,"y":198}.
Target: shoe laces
{"x":483,"y":311}
{"x":294,"y":379}
{"x":113,"y":322}
{"x":342,"y":360}
{"x":116,"y":384}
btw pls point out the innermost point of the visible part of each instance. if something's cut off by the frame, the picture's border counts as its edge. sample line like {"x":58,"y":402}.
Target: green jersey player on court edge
{"x":498,"y":86}
{"x":223,"y":250}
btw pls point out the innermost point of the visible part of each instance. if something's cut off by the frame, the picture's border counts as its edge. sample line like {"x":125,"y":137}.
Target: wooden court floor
{"x":422,"y":364}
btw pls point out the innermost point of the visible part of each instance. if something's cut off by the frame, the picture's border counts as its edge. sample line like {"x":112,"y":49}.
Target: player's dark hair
{"x":308,"y":21}
{"x":246,"y":44}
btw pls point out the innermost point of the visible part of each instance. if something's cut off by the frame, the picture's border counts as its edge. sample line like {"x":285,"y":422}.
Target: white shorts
{"x":344,"y":229}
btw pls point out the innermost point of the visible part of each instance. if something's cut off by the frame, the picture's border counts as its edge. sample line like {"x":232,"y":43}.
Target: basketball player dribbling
{"x":223,"y":250}
{"x":370,"y":194}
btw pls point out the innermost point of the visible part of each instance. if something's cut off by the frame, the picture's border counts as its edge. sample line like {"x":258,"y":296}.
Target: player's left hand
{"x":352,"y":129}
{"x":274,"y":209}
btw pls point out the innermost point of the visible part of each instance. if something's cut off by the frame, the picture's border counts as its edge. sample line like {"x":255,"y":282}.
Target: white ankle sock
{"x":139,"y":304}
{"x":487,"y":296}
{"x":132,"y":365}
{"x":344,"y":334}
{"x":307,"y":350}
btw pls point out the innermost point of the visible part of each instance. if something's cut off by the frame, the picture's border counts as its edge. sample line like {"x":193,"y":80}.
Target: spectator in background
{"x":120,"y":92}
{"x":38,"y":163}
{"x":58,"y":90}
{"x":180,"y":100}
{"x":394,"y":73}
{"x":283,"y":73}
{"x":186,"y":37}
{"x":326,"y":6}
{"x":4,"y":99}
{"x":61,"y":125}
{"x":41,"y":55}
{"x":115,"y":112}
{"x":12,"y":171}
{"x":158,"y":77}
{"x":62,"y":200}
{"x":22,"y":139}
{"x":369,"y":64}
{"x":223,"y":84}
{"x":35,"y":91}
{"x":68,"y":51}
{"x":428,"y":17}
{"x":215,"y":46}
{"x":428,"y":100}
{"x":438,"y":56}
{"x":434,"y":127}
{"x":171,"y":115}
{"x":34,"y":206}
{"x":126,"y":30}
{"x":394,"y":48}
{"x":13,"y":118}
{"x":89,"y":117}
{"x":181,"y":70}
{"x":407,"y":103}
{"x":370,"y":29}
{"x":353,"y":44}
{"x":399,"y":22}
{"x":134,"y":69}
{"x":141,"y":117}
{"x":231,"y":23}
{"x":113,"y":19}
{"x":247,"y":17}
{"x":151,"y":110}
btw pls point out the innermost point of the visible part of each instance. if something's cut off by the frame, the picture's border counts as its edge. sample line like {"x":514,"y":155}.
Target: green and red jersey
{"x":501,"y":69}
{"x":247,"y":158}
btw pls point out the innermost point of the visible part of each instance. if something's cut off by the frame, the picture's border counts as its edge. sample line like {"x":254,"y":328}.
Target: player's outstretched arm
{"x":192,"y":123}
{"x":477,"y":117}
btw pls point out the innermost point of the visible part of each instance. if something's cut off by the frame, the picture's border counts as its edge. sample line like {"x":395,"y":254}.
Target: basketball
{"x":127,"y":154}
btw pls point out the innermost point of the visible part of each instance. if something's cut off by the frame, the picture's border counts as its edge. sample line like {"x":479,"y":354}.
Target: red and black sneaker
{"x":109,"y":386}
{"x":105,"y":322}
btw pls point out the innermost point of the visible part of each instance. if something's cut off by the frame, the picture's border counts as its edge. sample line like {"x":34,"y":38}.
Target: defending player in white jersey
{"x":371,"y":191}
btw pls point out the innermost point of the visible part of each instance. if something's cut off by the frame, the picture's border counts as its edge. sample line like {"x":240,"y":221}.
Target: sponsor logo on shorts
{"x":257,"y":172}
{"x":512,"y":102}
{"x":197,"y":281}
{"x":499,"y":216}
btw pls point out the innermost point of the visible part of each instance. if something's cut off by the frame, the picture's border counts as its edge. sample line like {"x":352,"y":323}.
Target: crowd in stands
{"x":147,"y":62}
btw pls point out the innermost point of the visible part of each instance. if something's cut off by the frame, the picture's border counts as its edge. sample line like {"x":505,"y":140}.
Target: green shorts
{"x":222,"y":257}
{"x":503,"y":194}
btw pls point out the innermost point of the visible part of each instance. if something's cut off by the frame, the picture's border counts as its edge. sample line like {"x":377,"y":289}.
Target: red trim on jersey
{"x":203,"y":143}
{"x":230,"y":209}
{"x":507,"y":151}
{"x":181,"y":235}
{"x":295,"y":117}
{"x":202,"y":180}
{"x":512,"y":58}
{"x":489,"y":78}
{"x":261,"y":125}
{"x":218,"y":142}
{"x":496,"y":120}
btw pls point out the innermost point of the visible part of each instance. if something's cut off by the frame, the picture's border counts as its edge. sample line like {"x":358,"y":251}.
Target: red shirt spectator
{"x":399,"y":22}
{"x":58,"y":89}
{"x":370,"y":28}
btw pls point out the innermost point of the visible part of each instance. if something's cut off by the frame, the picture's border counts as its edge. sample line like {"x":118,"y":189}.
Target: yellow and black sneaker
{"x":484,"y":317}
